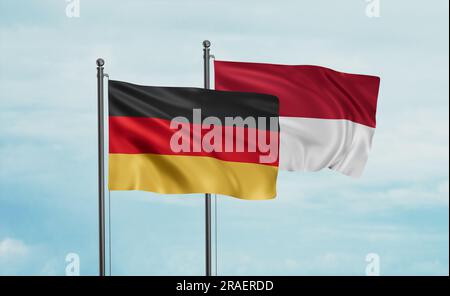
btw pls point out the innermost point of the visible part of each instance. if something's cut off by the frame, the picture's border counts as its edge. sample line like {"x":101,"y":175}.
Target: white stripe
{"x":310,"y":144}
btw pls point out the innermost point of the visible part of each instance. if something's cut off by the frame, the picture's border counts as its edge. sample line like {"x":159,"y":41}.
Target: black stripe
{"x":126,"y":99}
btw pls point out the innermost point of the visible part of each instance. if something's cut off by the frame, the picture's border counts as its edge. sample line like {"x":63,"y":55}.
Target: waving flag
{"x":327,"y":118}
{"x":192,"y":140}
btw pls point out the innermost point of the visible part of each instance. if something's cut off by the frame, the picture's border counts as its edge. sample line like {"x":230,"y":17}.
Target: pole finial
{"x":100,"y":62}
{"x":206,"y":44}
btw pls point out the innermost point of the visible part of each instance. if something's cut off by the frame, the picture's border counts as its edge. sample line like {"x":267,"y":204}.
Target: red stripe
{"x":305,"y":91}
{"x":134,"y":135}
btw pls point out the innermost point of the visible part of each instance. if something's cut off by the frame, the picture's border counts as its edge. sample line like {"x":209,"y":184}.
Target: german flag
{"x":177,"y":140}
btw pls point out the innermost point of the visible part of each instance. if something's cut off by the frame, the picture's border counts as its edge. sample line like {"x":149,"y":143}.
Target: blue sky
{"x":321,"y":223}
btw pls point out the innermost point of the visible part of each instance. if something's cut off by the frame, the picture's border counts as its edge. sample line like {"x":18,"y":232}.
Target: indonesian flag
{"x":327,"y":118}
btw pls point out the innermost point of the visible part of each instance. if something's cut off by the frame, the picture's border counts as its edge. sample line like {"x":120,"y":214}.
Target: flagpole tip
{"x":206,"y":44}
{"x":100,"y":62}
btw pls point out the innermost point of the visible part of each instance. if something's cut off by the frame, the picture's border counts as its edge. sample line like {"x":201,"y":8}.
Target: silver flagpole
{"x":206,"y":57}
{"x":101,"y":168}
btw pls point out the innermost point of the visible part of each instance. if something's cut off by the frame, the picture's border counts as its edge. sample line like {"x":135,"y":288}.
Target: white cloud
{"x":14,"y":255}
{"x":20,"y":258}
{"x":12,"y":249}
{"x":443,"y":188}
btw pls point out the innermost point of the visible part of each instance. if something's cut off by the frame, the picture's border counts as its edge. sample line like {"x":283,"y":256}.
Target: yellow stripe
{"x":175,"y":174}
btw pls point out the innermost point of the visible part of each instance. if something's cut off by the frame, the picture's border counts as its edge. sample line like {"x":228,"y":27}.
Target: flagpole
{"x":101,"y":168}
{"x":206,"y":58}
